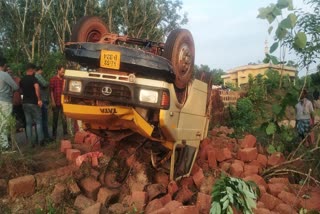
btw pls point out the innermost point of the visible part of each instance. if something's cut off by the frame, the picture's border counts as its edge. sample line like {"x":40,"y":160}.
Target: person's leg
{"x":44,"y":113}
{"x":5,"y":112}
{"x":36,"y":113}
{"x":64,"y":121}
{"x":55,"y":115}
{"x":27,"y":108}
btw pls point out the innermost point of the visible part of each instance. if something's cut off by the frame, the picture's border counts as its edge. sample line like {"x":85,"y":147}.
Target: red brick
{"x":74,"y":189}
{"x":212,"y":159}
{"x":105,"y":195}
{"x":285,"y":209}
{"x":72,"y":154}
{"x":275,"y":189}
{"x":131,"y":160}
{"x":198,"y":178}
{"x":248,"y":154}
{"x":172,"y":187}
{"x":262,"y":211}
{"x":94,"y":209}
{"x":153,"y":206}
{"x":262,"y":189}
{"x":250,"y":170}
{"x":90,"y":187}
{"x":257,"y":179}
{"x":64,"y":145}
{"x":275,"y":159}
{"x":186,"y":210}
{"x":139,"y":199}
{"x":260,"y":204}
{"x":83,"y":202}
{"x":162,"y":178}
{"x":239,"y":162}
{"x":187,"y":181}
{"x":279,"y":180}
{"x":184,"y":195}
{"x":165,"y":199}
{"x":269,"y":201}
{"x":203,"y":203}
{"x":225,"y":166}
{"x":236,"y":169}
{"x":263,"y":160}
{"x":173,"y":205}
{"x":80,"y":137}
{"x":21,"y":186}
{"x":155,"y":190}
{"x":223,"y":154}
{"x":163,"y":210}
{"x":249,"y":141}
{"x":289,"y":198}
{"x":58,"y":193}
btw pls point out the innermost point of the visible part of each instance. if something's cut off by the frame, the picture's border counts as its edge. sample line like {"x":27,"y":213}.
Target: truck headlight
{"x":75,"y":86}
{"x":148,"y":96}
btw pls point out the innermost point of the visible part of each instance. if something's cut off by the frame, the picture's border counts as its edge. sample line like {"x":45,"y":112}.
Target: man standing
{"x":304,"y":116}
{"x":32,"y":104}
{"x":44,"y":94}
{"x":56,"y":85}
{"x":7,"y":86}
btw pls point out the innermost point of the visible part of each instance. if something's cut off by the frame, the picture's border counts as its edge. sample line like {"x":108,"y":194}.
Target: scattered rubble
{"x":92,"y":191}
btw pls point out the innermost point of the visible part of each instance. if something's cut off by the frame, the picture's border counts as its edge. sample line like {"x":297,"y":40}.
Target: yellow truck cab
{"x":147,"y":91}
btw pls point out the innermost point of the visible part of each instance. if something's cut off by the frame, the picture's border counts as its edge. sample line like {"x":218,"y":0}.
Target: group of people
{"x":28,"y":99}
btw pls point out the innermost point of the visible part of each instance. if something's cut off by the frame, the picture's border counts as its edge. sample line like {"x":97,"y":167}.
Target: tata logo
{"x":106,"y":90}
{"x":108,"y":110}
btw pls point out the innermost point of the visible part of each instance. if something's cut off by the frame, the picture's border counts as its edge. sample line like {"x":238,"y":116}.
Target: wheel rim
{"x":93,"y":36}
{"x":185,"y":59}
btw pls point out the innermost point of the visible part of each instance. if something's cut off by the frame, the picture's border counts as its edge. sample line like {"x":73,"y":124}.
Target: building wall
{"x":241,"y":76}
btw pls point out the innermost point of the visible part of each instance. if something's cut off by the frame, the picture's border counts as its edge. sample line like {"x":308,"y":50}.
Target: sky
{"x":227,"y":33}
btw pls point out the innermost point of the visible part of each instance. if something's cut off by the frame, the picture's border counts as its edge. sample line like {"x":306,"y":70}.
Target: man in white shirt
{"x":304,"y":116}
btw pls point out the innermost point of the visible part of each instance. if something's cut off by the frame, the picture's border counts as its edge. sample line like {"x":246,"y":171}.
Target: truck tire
{"x":89,"y":29}
{"x":179,"y":49}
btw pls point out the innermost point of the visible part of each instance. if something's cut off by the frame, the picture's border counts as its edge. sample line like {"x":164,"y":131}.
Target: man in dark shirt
{"x":32,"y":104}
{"x":56,"y":85}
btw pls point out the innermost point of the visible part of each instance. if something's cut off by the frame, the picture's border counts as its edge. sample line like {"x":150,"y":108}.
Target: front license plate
{"x":110,"y":59}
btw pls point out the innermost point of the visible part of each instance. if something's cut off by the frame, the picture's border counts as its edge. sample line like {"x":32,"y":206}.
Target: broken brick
{"x":166,"y":199}
{"x":172,"y":187}
{"x":225,"y":166}
{"x":187,"y":181}
{"x":248,"y":154}
{"x":285,"y":209}
{"x":64,"y":145}
{"x":94,"y":209}
{"x":270,"y":201}
{"x":80,"y":137}
{"x":173,"y":205}
{"x":257,"y":179}
{"x":212,"y":159}
{"x":236,"y":170}
{"x":203,"y":203}
{"x":83,"y":202}
{"x":279,"y":180}
{"x":153,"y":206}
{"x":90,"y":187}
{"x":162,"y":178}
{"x":198,"y":178}
{"x":184,"y":195}
{"x":250,"y":170}
{"x":72,"y":154}
{"x":223,"y":154}
{"x":275,"y":159}
{"x":21,"y":186}
{"x":263,"y":160}
{"x":74,"y":189}
{"x":262,"y":211}
{"x":186,"y":210}
{"x":249,"y":141}
{"x":155,"y":190}
{"x":106,"y":195}
{"x":289,"y":198}
{"x":139,"y":199}
{"x":58,"y":193}
{"x":276,"y":188}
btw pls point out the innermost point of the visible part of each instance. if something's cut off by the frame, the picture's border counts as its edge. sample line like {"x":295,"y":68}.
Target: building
{"x":240,"y":75}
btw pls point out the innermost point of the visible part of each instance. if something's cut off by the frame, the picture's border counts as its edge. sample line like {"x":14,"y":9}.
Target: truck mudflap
{"x":109,"y":118}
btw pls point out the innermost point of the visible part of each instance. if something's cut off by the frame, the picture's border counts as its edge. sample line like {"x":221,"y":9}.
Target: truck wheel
{"x":179,"y":49}
{"x":88,"y":29}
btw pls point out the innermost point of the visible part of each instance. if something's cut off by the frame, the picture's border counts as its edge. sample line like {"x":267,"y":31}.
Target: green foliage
{"x":243,"y":116}
{"x":256,"y":90}
{"x":231,"y":192}
{"x":272,"y":81}
{"x":215,"y":73}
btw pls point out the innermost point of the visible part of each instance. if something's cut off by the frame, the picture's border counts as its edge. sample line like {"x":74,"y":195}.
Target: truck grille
{"x":119,"y":92}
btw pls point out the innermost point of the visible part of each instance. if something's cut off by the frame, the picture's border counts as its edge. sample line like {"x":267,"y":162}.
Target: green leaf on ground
{"x":271,"y":149}
{"x":276,"y":109}
{"x":271,"y":128}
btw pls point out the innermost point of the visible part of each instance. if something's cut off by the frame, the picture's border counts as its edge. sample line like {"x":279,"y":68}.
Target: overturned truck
{"x":123,"y":86}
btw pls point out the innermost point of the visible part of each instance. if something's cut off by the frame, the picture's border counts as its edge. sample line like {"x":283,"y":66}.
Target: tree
{"x":215,"y":73}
